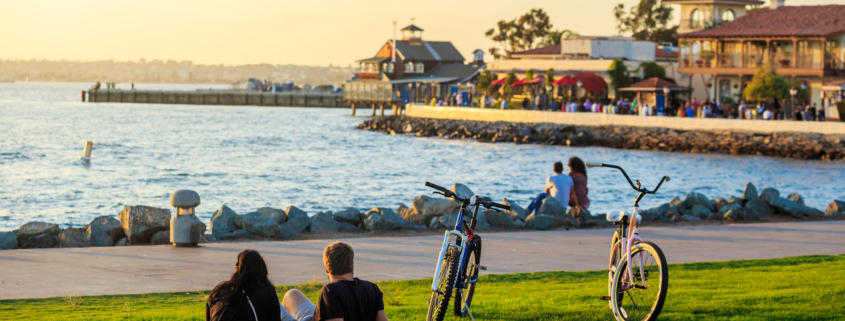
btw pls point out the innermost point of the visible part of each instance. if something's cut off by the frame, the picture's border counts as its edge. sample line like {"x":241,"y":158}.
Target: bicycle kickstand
{"x":469,"y":311}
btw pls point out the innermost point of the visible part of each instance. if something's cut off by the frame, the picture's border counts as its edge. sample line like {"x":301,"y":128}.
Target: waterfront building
{"x":804,"y":43}
{"x":698,"y":15}
{"x":595,"y":55}
{"x":411,"y":69}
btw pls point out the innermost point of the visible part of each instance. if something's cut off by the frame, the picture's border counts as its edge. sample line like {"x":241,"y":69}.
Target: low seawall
{"x":594,"y":119}
{"x":782,"y":144}
{"x":233,"y":98}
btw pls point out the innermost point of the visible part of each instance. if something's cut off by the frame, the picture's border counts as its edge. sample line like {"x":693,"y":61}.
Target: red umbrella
{"x":590,"y":81}
{"x":538,"y":80}
{"x":566,"y":80}
{"x":520,"y":82}
{"x":498,"y":82}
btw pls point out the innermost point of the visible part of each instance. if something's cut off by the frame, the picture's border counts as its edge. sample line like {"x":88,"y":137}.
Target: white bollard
{"x":86,"y":152}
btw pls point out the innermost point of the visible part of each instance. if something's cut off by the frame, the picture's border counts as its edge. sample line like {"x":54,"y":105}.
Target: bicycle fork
{"x":445,"y":247}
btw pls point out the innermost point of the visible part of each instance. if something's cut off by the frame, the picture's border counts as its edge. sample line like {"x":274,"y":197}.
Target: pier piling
{"x":381,"y":109}
{"x":353,"y":109}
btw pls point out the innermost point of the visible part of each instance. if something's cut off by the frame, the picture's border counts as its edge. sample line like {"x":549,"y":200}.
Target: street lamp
{"x":665,"y":103}
{"x":792,"y":92}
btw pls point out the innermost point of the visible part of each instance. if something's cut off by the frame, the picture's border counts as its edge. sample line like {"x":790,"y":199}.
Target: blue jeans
{"x":535,"y":204}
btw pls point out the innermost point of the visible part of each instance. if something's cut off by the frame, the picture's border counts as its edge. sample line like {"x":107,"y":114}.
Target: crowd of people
{"x":249,"y":294}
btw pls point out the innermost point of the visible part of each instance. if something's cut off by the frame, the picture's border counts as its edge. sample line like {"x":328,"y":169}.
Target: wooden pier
{"x":231,"y":98}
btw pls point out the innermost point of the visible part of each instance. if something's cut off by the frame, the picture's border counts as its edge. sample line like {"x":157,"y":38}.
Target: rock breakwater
{"x":144,"y":225}
{"x":792,"y":145}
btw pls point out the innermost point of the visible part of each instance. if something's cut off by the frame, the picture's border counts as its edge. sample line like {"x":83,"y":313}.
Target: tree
{"x":550,"y":77}
{"x":619,"y":77}
{"x":766,"y":85}
{"x":555,"y":36}
{"x":519,"y":34}
{"x":484,"y":80}
{"x":651,"y":69}
{"x":647,"y":21}
{"x":529,"y":74}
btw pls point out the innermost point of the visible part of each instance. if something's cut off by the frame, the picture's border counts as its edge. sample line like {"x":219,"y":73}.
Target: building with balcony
{"x":410,"y":57}
{"x":701,"y":14}
{"x":804,"y":43}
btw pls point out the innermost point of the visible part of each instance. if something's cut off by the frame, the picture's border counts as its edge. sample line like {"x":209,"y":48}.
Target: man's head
{"x":558,"y":168}
{"x":338,"y":258}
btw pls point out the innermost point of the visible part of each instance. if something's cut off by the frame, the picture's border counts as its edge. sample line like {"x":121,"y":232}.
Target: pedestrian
{"x":820,"y":114}
{"x":247,"y":295}
{"x":813,"y":110}
{"x":767,"y":114}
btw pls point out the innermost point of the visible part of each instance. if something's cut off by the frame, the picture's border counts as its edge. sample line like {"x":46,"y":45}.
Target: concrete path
{"x":143,"y":269}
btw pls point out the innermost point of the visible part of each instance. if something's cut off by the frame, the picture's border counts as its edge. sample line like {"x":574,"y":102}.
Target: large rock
{"x":796,"y":198}
{"x":409,"y":225}
{"x":676,"y":203}
{"x":735,"y":214}
{"x":734,"y":200}
{"x":97,"y":235}
{"x":297,"y":224}
{"x":516,"y":212}
{"x":750,"y":192}
{"x":700,"y":211}
{"x":42,"y":241}
{"x":293,"y":212}
{"x":73,"y":237}
{"x":122,"y":242}
{"x":692,"y":199}
{"x":729,"y":207}
{"x":461,"y":190}
{"x":33,"y":229}
{"x":553,"y":208}
{"x":111,"y":226}
{"x":435,"y":223}
{"x":160,"y":238}
{"x":141,"y":222}
{"x":324,"y":222}
{"x":835,"y":209}
{"x":257,"y":224}
{"x":380,"y":218}
{"x":349,"y":216}
{"x":274,"y":214}
{"x":346,"y":227}
{"x":787,"y":207}
{"x":481,"y":222}
{"x":236,"y":235}
{"x":286,"y":231}
{"x":719,"y":203}
{"x":406,"y":212}
{"x":426,"y":208}
{"x":499,"y":219}
{"x":8,"y":241}
{"x":751,"y":214}
{"x":222,"y":222}
{"x":539,"y":222}
{"x":690,"y":218}
{"x":768,"y":194}
{"x":519,"y":224}
{"x":760,"y":207}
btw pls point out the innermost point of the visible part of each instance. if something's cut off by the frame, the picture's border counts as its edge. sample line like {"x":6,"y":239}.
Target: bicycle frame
{"x":447,"y":244}
{"x":630,"y":237}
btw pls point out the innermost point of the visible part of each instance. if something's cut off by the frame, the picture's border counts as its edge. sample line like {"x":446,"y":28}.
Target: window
{"x":389,"y":67}
{"x":728,"y":15}
{"x":696,"y":19}
{"x":420,"y":68}
{"x":409,"y":67}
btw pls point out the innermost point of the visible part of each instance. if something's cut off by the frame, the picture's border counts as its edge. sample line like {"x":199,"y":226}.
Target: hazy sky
{"x":312,"y":32}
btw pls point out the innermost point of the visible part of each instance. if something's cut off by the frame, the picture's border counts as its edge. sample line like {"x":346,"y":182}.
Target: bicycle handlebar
{"x":637,"y":188}
{"x":449,"y":193}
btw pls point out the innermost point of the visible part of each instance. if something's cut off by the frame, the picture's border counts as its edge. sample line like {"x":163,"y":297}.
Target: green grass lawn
{"x":797,"y":288}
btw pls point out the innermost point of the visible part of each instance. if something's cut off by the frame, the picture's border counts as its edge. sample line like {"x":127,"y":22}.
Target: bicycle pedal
{"x":482,"y":267}
{"x":605,"y":297}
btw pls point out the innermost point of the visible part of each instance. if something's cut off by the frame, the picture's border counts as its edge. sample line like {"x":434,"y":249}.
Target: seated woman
{"x":558,"y":186}
{"x":247,"y":295}
{"x":578,"y":172}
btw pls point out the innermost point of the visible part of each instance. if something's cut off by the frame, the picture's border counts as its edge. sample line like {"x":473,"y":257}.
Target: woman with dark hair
{"x":578,"y":172}
{"x":247,"y":295}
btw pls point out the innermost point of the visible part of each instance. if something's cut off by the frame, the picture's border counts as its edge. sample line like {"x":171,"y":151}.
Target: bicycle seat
{"x":616,"y":216}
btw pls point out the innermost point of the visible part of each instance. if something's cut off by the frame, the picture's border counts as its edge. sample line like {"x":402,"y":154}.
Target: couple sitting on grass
{"x":249,"y":294}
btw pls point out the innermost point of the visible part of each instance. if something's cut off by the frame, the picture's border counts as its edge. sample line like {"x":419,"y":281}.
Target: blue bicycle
{"x":459,"y":262}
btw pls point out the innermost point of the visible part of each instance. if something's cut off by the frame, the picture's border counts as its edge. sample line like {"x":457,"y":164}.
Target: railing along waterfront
{"x":235,"y":98}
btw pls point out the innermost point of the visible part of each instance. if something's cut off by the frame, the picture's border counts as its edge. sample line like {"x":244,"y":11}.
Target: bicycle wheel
{"x":643,"y":299}
{"x":464,"y":300}
{"x":439,"y":301}
{"x":614,"y":261}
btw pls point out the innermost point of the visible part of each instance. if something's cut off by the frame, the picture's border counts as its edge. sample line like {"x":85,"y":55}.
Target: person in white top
{"x":559,"y":186}
{"x":767,"y":115}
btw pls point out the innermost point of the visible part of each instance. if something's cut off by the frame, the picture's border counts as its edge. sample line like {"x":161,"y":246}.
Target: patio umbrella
{"x":566,"y":80}
{"x":520,"y":82}
{"x":590,"y":81}
{"x":498,"y":82}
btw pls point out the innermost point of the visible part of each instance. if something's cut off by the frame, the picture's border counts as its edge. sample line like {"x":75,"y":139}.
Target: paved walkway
{"x":143,"y":269}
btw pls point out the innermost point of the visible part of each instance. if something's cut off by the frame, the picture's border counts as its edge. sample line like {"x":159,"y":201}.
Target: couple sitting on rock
{"x":249,"y":294}
{"x":567,"y":189}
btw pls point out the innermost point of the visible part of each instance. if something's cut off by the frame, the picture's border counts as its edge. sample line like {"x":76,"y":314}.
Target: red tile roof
{"x":654,"y":82}
{"x":749,"y":2}
{"x":798,"y":21}
{"x":660,"y":54}
{"x":547,"y":50}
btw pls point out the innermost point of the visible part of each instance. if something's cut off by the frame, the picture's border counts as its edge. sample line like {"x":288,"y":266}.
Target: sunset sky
{"x":314,"y":32}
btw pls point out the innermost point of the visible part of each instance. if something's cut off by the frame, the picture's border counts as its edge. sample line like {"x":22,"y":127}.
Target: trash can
{"x":185,"y":227}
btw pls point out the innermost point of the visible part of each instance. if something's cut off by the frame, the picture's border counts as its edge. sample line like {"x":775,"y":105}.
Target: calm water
{"x":250,"y":157}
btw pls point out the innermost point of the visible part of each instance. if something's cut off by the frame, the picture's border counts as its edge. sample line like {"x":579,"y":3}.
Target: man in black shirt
{"x":345,"y":298}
